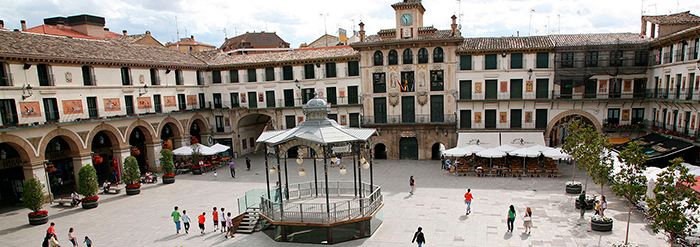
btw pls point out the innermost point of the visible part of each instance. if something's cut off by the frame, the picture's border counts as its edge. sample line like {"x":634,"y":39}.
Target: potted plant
{"x":87,"y":186}
{"x":33,"y":199}
{"x":135,"y":151}
{"x":573,"y":187}
{"x":601,"y":223}
{"x":132,"y":175}
{"x":166,"y":161}
{"x":196,"y":157}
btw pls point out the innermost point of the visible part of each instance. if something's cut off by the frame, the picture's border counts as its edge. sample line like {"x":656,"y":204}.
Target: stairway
{"x":248,"y":223}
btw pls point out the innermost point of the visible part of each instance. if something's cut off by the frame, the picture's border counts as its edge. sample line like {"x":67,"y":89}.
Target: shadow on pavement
{"x":463,"y":217}
{"x":508,"y":235}
{"x":14,"y":229}
{"x":169,"y":237}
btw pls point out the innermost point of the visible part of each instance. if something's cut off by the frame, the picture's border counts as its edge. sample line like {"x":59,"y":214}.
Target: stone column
{"x":205,"y":139}
{"x":79,"y":161}
{"x":153,"y":150}
{"x":180,"y":142}
{"x":35,"y":169}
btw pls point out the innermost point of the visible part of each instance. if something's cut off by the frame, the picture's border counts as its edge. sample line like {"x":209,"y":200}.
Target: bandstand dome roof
{"x":317,"y":128}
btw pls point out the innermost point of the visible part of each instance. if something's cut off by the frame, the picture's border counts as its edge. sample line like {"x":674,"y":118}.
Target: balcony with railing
{"x":680,"y":131}
{"x":413,"y":119}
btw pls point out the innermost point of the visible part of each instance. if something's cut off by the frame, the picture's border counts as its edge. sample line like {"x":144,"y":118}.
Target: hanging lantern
{"x":362,"y":160}
{"x":365,"y":165}
{"x":273,"y":171}
{"x":343,"y":171}
{"x":299,"y":161}
{"x":302,"y":172}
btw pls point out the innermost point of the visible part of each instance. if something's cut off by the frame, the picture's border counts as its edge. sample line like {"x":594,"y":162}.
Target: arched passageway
{"x":436,"y":150}
{"x":11,"y":174}
{"x":61,"y":169}
{"x":380,"y":151}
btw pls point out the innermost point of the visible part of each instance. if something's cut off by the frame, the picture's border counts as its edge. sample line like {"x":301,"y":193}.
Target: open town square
{"x":350,"y":123}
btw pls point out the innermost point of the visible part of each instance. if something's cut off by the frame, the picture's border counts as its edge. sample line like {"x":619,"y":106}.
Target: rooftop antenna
{"x":547,"y":25}
{"x":325,"y":29}
{"x":559,"y":28}
{"x":177,"y":29}
{"x":459,"y":8}
{"x":529,"y":28}
{"x":225,"y":35}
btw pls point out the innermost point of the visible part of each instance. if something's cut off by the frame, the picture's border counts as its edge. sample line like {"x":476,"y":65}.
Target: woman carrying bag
{"x":527,"y":220}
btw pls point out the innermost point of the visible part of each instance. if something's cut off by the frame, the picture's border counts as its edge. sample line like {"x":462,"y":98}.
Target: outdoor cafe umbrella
{"x":525,"y":153}
{"x":491,"y":153}
{"x":187,"y":150}
{"x":219,"y":148}
{"x":556,"y":153}
{"x":457,"y":152}
{"x":506,"y":148}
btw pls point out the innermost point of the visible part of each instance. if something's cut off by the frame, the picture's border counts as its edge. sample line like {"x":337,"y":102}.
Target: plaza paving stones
{"x":437,"y":206}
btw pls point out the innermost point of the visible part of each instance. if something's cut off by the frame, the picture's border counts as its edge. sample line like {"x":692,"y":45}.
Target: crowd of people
{"x":51,"y":239}
{"x":222,"y":221}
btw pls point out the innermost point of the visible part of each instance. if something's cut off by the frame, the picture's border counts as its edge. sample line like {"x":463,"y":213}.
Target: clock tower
{"x":409,"y":17}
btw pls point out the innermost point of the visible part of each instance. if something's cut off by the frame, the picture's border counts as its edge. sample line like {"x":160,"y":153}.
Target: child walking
{"x":202,"y":218}
{"x":186,"y":221}
{"x":215,"y":218}
{"x":88,"y":241}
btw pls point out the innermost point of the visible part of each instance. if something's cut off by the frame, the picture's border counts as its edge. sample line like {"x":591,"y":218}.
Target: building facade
{"x":65,"y":101}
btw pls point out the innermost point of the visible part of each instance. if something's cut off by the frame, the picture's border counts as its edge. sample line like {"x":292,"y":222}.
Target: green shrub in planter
{"x":132,"y":175}
{"x":33,"y":195}
{"x":87,"y":181}
{"x":166,"y":161}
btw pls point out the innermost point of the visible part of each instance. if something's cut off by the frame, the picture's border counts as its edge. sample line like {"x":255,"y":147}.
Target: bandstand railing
{"x":352,"y":208}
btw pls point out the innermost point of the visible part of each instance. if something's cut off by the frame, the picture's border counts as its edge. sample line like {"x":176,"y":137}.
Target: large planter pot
{"x":601,"y":227}
{"x":133,"y":191}
{"x":573,"y":189}
{"x":197,"y":171}
{"x":169,"y":180}
{"x":38,"y":220}
{"x":89,"y":205}
{"x":590,"y":206}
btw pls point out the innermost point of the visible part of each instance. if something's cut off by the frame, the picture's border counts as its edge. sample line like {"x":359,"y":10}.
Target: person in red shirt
{"x":202,"y":218}
{"x":215,"y":217}
{"x":51,"y":228}
{"x":468,"y":200}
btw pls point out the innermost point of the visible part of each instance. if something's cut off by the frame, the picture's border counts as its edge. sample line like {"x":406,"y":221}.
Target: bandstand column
{"x":371,"y":174}
{"x":279,"y":180}
{"x":354,"y":169}
{"x":359,"y":172}
{"x":267,"y":172}
{"x":286,"y":180}
{"x":325,"y":172}
{"x":315,"y":174}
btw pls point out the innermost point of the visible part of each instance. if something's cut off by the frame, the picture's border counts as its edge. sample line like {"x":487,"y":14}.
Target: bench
{"x":65,"y":201}
{"x":114,"y":188}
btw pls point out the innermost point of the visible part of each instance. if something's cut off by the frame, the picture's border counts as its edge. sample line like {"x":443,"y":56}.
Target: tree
{"x":588,"y":147}
{"x":600,"y":164}
{"x":132,"y":174}
{"x":33,"y":196}
{"x":572,"y":143}
{"x":87,"y":181}
{"x":196,"y":154}
{"x":673,"y":202}
{"x":166,"y":161}
{"x":630,"y":182}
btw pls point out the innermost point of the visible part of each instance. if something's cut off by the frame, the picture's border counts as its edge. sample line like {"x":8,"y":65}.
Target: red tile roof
{"x":66,"y":32}
{"x":569,"y":40}
{"x":296,"y":56}
{"x":673,"y":19}
{"x":254,"y":40}
{"x":487,"y":44}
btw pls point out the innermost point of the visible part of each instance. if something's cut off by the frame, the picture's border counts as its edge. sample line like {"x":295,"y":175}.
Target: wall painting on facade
{"x":243,"y":98}
{"x":477,"y":87}
{"x":626,"y":115}
{"x":603,"y":87}
{"x":170,"y":101}
{"x":528,"y":117}
{"x":227,"y":121}
{"x":477,"y":117}
{"x":672,"y":80}
{"x":528,"y":87}
{"x":343,"y":120}
{"x":504,"y":86}
{"x":192,"y":100}
{"x":112,"y":104}
{"x":503,"y":117}
{"x":30,"y":109}
{"x":144,"y":102}
{"x":578,"y":89}
{"x":261,"y":97}
{"x":300,"y":119}
{"x":627,"y":86}
{"x":72,"y":107}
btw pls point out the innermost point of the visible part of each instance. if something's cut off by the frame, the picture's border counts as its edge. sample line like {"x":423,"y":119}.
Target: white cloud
{"x":301,"y":21}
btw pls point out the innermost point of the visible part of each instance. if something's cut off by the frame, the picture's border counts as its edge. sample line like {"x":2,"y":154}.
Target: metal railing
{"x":410,"y":119}
{"x":333,"y":212}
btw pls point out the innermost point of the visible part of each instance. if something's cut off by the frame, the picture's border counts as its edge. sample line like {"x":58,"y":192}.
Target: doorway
{"x":408,"y":148}
{"x":380,"y":151}
{"x":437,"y":149}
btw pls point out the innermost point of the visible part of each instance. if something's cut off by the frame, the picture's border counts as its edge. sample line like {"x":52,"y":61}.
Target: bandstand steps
{"x":248,"y":223}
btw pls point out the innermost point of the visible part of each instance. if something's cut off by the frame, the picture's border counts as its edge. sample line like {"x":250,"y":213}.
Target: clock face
{"x":406,"y":19}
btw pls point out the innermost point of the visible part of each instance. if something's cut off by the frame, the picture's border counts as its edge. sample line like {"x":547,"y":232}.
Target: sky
{"x":303,"y":21}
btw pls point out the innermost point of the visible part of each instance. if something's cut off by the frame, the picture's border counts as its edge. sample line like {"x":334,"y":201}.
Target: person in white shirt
{"x":229,"y":225}
{"x":186,"y":221}
{"x":222,"y":219}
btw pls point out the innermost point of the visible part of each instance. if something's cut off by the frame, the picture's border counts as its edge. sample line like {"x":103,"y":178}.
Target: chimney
{"x":106,"y":29}
{"x":148,"y":33}
{"x":24,"y":25}
{"x":124,"y":32}
{"x":362,"y":32}
{"x":60,"y":25}
{"x":192,"y":37}
{"x":2,"y":24}
{"x":454,"y":25}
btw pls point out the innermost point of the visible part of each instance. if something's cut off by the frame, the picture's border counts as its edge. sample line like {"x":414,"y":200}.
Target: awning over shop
{"x":482,"y":139}
{"x":619,"y":140}
{"x":522,"y":139}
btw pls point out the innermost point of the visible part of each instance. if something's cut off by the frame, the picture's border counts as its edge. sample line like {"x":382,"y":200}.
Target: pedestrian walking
{"x":105,"y":187}
{"x":222,"y":220}
{"x":229,"y":225}
{"x":442,"y":161}
{"x":511,"y":218}
{"x":72,"y":238}
{"x":527,"y":220}
{"x":468,"y":200}
{"x":202,"y":218}
{"x":46,"y":240}
{"x":419,"y":237}
{"x":216,"y":175}
{"x":603,"y":206}
{"x":582,"y":203}
{"x":53,"y":241}
{"x":176,"y":218}
{"x":186,"y":221}
{"x":232,"y":166}
{"x":51,"y":228}
{"x":215,"y":218}
{"x":597,"y":207}
{"x":278,"y":192}
{"x":87,"y":241}
{"x":247,"y":164}
{"x":412,"y":183}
